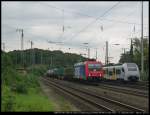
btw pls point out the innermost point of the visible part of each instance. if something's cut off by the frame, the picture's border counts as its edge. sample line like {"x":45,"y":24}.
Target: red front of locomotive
{"x":93,"y":70}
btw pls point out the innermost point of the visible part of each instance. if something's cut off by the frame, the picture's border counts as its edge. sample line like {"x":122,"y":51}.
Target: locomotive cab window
{"x":94,"y":67}
{"x":132,"y":69}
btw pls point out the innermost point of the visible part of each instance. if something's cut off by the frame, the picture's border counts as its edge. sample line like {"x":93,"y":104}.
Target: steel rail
{"x":85,"y":99}
{"x":107,"y":99}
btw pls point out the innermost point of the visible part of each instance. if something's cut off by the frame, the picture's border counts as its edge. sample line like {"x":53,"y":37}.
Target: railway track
{"x":125,"y":90}
{"x":138,"y":85}
{"x":77,"y":95}
{"x":117,"y":88}
{"x":103,"y":103}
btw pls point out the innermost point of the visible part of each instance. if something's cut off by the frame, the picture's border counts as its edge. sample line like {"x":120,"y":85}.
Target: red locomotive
{"x":89,"y":70}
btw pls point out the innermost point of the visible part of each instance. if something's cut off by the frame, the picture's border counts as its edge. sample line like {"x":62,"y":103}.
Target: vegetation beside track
{"x":21,"y":92}
{"x":20,"y":88}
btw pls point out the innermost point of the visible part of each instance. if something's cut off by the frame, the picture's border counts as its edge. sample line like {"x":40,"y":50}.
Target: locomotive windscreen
{"x":94,"y":67}
{"x":131,"y":67}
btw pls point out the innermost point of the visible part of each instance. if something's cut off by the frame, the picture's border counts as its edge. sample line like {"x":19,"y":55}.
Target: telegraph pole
{"x":96,"y":53}
{"x":142,"y":63}
{"x":22,"y":53}
{"x":106,"y":57}
{"x":89,"y":53}
{"x":87,"y":49}
{"x":63,"y":28}
{"x":32,"y":52}
{"x":41,"y":57}
{"x":22,"y":40}
{"x":31,"y":44}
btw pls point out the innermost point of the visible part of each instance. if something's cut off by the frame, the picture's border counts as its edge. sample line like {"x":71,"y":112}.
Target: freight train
{"x":95,"y":71}
{"x":87,"y":70}
{"x":61,"y":73}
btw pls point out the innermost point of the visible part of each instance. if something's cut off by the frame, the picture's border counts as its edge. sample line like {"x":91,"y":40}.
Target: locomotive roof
{"x":83,"y":63}
{"x":115,"y":66}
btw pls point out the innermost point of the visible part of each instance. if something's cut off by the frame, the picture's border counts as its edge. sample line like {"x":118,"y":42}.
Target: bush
{"x":37,"y":70}
{"x":22,"y":92}
{"x":7,"y":99}
{"x":21,"y":88}
{"x":144,"y":76}
{"x":5,"y":61}
{"x":24,"y":82}
{"x":32,"y":80}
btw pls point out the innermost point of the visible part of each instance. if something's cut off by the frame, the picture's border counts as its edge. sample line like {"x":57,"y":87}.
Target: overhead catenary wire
{"x":126,"y":22}
{"x":78,"y":13}
{"x":96,"y":20}
{"x":40,"y":36}
{"x":90,"y":16}
{"x":87,"y":15}
{"x":83,"y":14}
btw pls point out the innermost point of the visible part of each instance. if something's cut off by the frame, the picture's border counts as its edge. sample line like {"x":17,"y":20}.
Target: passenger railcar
{"x":126,"y":72}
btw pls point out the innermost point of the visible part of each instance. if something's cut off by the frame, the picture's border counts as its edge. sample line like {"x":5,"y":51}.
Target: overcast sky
{"x":84,"y":22}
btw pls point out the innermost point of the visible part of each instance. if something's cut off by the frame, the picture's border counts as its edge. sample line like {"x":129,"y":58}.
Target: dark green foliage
{"x":18,"y":87}
{"x":135,"y":55}
{"x":5,"y":61}
{"x":21,"y":88}
{"x":125,"y":58}
{"x":7,"y":99}
{"x":37,"y":70}
{"x":18,"y":82}
{"x":131,"y":52}
{"x":45,"y":57}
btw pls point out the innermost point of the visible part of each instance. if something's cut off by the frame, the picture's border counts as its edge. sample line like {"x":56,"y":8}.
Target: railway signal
{"x":142,"y":54}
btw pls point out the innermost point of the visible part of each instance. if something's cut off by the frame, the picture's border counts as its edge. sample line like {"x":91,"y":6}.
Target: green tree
{"x":135,"y":55}
{"x":131,"y":51}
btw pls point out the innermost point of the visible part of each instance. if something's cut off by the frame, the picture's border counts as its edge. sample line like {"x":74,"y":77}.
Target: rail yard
{"x":101,"y":98}
{"x":75,"y":56}
{"x":105,"y":89}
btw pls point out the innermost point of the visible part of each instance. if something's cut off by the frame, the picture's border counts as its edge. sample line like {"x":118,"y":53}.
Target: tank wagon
{"x":125,"y":72}
{"x":61,"y":73}
{"x":55,"y":73}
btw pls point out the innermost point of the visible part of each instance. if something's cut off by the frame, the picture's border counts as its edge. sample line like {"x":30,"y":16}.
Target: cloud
{"x":44,"y":21}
